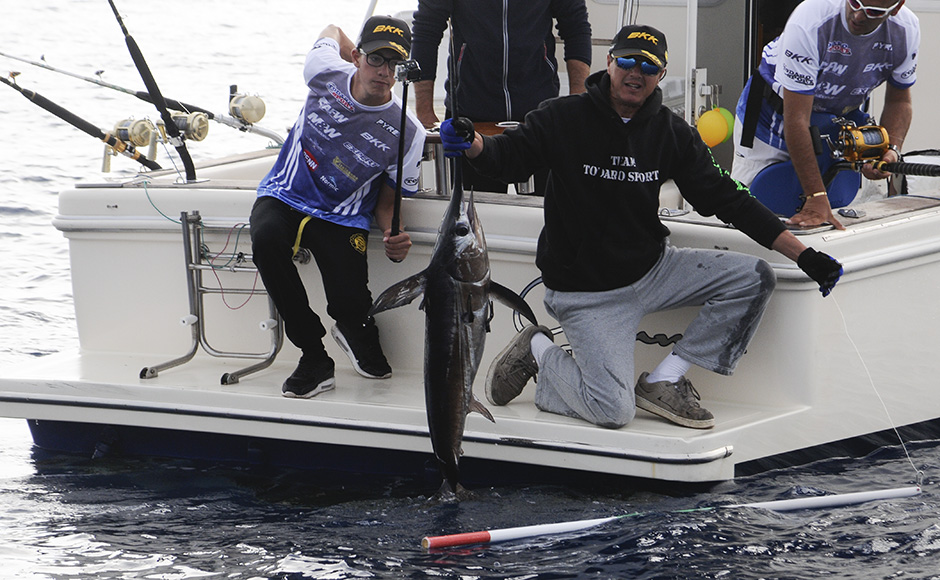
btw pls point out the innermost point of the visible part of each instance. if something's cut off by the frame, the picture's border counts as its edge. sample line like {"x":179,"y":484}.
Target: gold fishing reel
{"x":131,"y":134}
{"x":193,"y":126}
{"x":866,"y":143}
{"x":138,"y":132}
{"x":246,"y":108}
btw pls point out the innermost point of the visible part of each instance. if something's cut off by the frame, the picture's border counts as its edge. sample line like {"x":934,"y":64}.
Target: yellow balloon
{"x":713,"y":127}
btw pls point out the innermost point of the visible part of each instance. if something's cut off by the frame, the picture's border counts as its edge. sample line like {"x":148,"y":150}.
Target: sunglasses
{"x":871,"y":12}
{"x":375,"y":59}
{"x":646,"y":67}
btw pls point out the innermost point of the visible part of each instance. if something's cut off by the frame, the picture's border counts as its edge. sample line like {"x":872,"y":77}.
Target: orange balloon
{"x":713,"y":127}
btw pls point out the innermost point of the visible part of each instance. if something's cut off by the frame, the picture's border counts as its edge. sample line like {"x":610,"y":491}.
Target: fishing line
{"x":871,"y":381}
{"x":179,"y":174}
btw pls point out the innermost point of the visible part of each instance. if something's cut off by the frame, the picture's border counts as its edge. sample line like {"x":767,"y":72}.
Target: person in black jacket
{"x":505,"y":60}
{"x":604,"y":254}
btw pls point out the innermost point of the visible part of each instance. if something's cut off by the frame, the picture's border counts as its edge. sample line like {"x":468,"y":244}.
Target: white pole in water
{"x":826,"y":501}
{"x":506,"y":534}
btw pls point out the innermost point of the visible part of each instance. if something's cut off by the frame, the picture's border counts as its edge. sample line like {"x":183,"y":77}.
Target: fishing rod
{"x":238,"y":122}
{"x":83,"y":125}
{"x":405,"y":72}
{"x":855,"y":146}
{"x":516,"y":533}
{"x":456,"y":162}
{"x":154,"y":91}
{"x":900,"y":168}
{"x":462,"y":126}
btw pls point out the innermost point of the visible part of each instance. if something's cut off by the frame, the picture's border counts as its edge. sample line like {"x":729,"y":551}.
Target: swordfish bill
{"x":457,"y":304}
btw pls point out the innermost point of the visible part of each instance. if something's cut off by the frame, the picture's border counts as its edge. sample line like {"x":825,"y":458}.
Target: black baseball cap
{"x":641,"y":40}
{"x":385,"y":32}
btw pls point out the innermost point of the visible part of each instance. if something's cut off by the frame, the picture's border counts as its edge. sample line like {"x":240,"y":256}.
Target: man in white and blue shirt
{"x":334,"y":176}
{"x":830,"y":57}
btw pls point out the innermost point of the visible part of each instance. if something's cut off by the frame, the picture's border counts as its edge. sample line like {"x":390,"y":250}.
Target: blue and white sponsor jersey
{"x":817,"y":55}
{"x":339,"y":151}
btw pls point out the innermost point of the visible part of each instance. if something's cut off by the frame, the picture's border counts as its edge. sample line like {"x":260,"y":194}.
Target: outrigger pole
{"x":145,"y":96}
{"x":176,"y":138}
{"x":369,"y":12}
{"x":83,"y":125}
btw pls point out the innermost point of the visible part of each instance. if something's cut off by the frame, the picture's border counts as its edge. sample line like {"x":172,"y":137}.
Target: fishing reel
{"x":138,"y":132}
{"x":248,"y":109}
{"x":193,"y":126}
{"x":135,"y":133}
{"x":407,"y":71}
{"x":859,"y":144}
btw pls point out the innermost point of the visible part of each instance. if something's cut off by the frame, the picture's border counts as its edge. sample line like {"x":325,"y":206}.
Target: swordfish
{"x":457,"y":292}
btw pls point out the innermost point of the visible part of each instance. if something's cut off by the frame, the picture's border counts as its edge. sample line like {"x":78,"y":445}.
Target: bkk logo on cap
{"x":645,"y":36}
{"x":388,"y":28}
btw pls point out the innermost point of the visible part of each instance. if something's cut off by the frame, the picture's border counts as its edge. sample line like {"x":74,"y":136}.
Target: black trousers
{"x":340,"y":253}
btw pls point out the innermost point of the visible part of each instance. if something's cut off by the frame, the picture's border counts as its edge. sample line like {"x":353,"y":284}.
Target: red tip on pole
{"x":455,"y":540}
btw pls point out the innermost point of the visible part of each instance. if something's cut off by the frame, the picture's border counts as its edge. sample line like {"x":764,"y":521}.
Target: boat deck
{"x":100,"y":388}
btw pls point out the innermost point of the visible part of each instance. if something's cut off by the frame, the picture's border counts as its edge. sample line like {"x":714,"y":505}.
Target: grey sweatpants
{"x":596,"y":384}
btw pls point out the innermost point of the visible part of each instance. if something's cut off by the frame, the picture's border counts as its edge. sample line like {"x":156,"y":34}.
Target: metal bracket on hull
{"x":193,"y":242}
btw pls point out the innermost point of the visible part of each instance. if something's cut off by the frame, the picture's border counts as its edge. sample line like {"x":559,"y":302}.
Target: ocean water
{"x":73,"y":517}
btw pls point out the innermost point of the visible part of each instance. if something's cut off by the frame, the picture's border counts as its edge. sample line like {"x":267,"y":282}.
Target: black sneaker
{"x":310,"y":378}
{"x":362,"y":347}
{"x":677,"y":402}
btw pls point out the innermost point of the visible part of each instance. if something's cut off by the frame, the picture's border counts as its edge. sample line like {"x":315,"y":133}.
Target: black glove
{"x":456,"y":136}
{"x":822,"y":268}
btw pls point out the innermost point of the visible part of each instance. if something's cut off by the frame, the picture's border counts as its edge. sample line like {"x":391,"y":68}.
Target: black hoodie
{"x":602,"y":230}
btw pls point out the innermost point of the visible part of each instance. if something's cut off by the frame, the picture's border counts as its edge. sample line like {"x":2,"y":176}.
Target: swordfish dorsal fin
{"x":400,"y":294}
{"x":512,"y":300}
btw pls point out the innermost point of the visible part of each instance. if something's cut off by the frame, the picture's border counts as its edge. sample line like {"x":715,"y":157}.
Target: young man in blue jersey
{"x":605,"y":256}
{"x":825,"y":64}
{"x":335,"y":175}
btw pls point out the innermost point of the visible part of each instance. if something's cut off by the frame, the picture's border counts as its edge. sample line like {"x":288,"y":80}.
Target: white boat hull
{"x":819,"y":370}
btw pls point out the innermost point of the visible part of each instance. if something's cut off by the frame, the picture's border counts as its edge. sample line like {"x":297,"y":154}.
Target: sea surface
{"x":73,"y":517}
